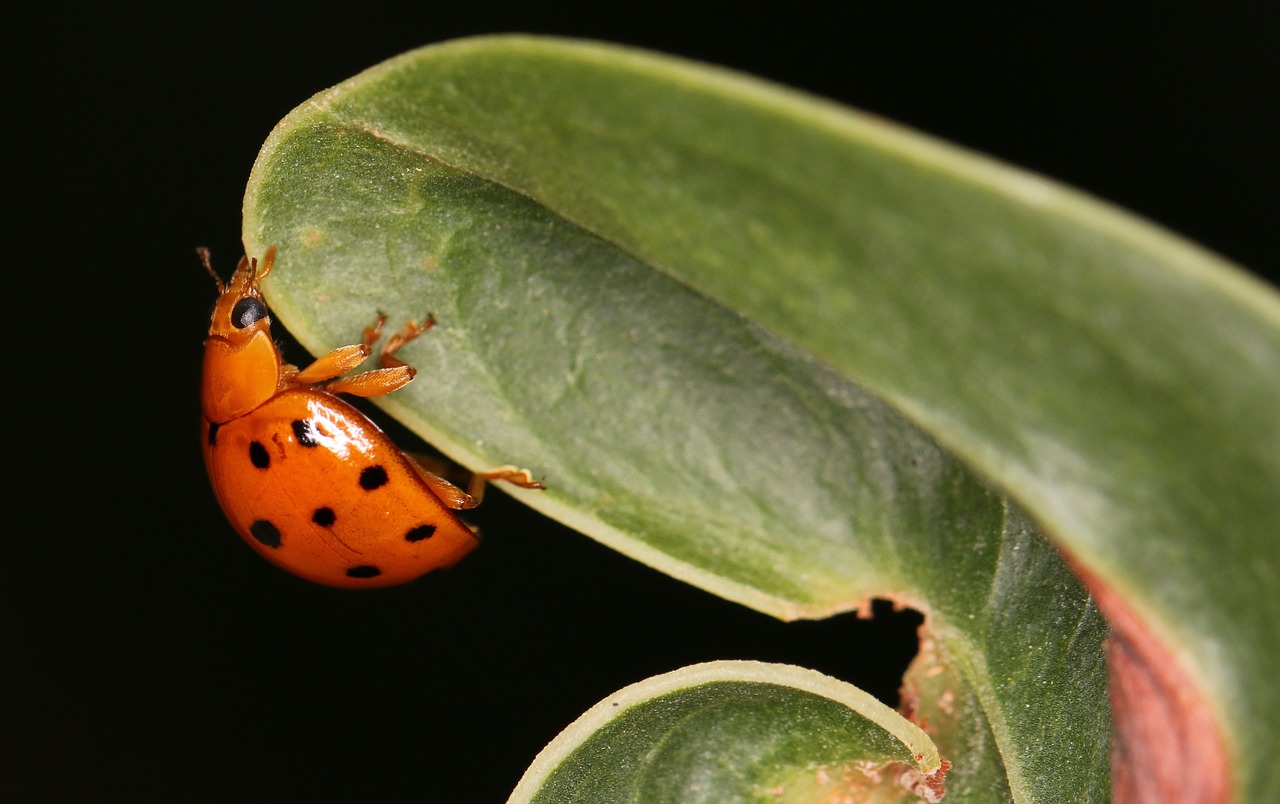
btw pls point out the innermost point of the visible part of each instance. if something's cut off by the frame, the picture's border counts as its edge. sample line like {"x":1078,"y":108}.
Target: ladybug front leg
{"x":410,"y":331}
{"x":394,"y":374}
{"x":339,"y":361}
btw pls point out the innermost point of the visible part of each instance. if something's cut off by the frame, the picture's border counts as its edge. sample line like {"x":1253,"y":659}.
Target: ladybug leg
{"x":394,"y":373}
{"x":339,"y":361}
{"x":410,"y":331}
{"x":373,"y":333}
{"x":511,"y":474}
{"x":377,"y":382}
{"x":432,"y":469}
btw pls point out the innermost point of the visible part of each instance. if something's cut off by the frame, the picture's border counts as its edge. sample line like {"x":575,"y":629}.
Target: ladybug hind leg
{"x":434,"y":470}
{"x":510,"y":474}
{"x":431,"y":470}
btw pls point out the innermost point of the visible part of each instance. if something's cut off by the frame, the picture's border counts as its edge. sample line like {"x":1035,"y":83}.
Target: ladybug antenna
{"x":208,"y":266}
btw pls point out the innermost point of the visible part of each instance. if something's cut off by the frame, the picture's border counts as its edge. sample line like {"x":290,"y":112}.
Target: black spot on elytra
{"x":364,"y":571}
{"x":266,"y":533}
{"x":305,"y":431}
{"x":419,"y":533}
{"x":324,"y":517}
{"x":213,"y":433}
{"x":258,"y":455}
{"x":373,"y":477}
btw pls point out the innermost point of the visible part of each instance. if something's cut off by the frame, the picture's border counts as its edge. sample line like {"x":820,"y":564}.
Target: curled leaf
{"x":737,"y":731}
{"x":731,"y":324}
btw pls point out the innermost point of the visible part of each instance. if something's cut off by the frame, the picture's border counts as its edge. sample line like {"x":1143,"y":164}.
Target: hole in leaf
{"x":869,"y":652}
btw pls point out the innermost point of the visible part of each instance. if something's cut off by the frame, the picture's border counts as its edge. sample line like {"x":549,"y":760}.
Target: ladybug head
{"x":239,"y":306}
{"x":241,"y":362}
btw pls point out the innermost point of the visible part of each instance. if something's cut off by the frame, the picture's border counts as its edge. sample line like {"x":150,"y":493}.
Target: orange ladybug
{"x":308,"y":481}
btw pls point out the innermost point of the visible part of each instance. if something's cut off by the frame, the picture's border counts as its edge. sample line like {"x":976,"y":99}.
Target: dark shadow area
{"x":146,"y":654}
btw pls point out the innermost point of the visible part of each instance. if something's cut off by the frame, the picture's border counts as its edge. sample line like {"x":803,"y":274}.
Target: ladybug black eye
{"x":247,"y":311}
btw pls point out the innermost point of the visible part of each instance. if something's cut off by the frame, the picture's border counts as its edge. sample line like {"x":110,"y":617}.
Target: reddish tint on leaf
{"x":1167,"y":746}
{"x":936,"y":782}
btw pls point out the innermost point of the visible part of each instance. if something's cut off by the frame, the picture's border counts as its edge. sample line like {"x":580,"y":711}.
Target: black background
{"x":149,"y":655}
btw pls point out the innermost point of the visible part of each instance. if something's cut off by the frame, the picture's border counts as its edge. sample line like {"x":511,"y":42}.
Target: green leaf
{"x":735,"y":731}
{"x":681,"y":295}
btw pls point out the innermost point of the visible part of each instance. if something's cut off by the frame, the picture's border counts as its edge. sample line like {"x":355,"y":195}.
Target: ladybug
{"x":308,"y":480}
